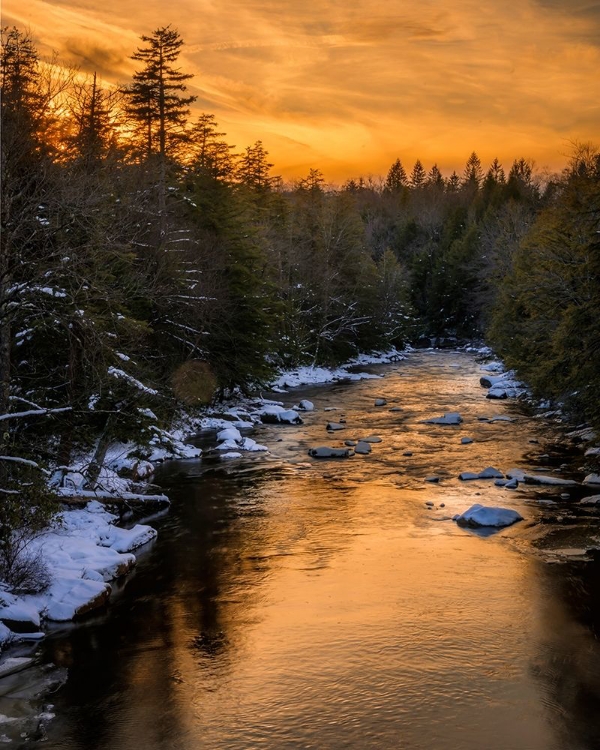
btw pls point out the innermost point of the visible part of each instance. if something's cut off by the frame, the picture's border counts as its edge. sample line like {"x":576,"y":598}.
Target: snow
{"x":479,"y":515}
{"x":312,"y":375}
{"x":83,"y":550}
{"x":122,"y":375}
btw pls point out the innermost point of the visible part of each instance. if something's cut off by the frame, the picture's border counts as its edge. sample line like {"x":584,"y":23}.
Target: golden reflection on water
{"x":323,"y":604}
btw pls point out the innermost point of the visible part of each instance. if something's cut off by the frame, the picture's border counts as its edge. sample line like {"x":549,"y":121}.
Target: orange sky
{"x":349,"y":85}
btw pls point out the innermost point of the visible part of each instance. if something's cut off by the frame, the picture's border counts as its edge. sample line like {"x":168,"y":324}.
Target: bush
{"x":26,"y":509}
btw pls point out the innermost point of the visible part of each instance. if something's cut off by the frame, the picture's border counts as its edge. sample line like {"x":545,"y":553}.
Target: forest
{"x":147,"y":265}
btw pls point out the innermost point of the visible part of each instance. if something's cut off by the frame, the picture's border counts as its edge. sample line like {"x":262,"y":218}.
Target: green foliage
{"x":546,"y":318}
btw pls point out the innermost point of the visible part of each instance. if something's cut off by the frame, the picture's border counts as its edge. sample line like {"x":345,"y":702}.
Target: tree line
{"x":145,"y":262}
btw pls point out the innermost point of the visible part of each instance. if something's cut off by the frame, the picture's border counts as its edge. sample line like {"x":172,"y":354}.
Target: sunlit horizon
{"x":348,"y":87}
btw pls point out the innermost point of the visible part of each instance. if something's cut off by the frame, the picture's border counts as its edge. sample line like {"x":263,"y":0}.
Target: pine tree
{"x":155,"y":100}
{"x":211,"y":155}
{"x":496,"y":172}
{"x":396,"y":178}
{"x":435,"y":177}
{"x":418,"y":175}
{"x":453,"y":183}
{"x":473,"y":174}
{"x":92,"y":111}
{"x":253,"y":168}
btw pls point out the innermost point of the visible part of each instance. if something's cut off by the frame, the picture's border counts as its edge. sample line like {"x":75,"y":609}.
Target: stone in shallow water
{"x":326,"y":452}
{"x":371,"y":439}
{"x":350,"y":443}
{"x":466,"y":440}
{"x":334,"y":426}
{"x":362,"y":447}
{"x":452,"y":417}
{"x":432,"y":478}
{"x":480,"y":515}
{"x":491,"y":473}
{"x":380,"y":402}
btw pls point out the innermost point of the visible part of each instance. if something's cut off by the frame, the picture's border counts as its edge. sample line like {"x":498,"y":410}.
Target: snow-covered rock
{"x":229,"y":434}
{"x":479,"y":515}
{"x":592,"y":479}
{"x":592,"y":452}
{"x":489,"y":473}
{"x":305,"y":405}
{"x":582,"y":435}
{"x":591,"y":500}
{"x":451,"y":418}
{"x":272,"y":414}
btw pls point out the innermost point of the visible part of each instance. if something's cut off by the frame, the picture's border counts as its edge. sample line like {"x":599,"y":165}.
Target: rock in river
{"x":452,"y":417}
{"x":480,"y":515}
{"x":326,"y":452}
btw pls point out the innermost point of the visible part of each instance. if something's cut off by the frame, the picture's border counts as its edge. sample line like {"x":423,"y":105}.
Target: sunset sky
{"x":349,"y":85}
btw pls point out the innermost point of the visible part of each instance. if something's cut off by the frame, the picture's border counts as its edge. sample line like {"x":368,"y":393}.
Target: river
{"x":298,"y":603}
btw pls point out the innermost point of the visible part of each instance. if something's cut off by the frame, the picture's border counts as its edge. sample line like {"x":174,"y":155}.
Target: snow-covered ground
{"x":83,"y":551}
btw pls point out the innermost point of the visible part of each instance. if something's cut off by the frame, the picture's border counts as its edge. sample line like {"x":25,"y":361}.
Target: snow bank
{"x":84,"y":550}
{"x":309,"y":375}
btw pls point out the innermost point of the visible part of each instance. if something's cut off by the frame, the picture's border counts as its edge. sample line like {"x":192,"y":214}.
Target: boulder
{"x":479,"y":515}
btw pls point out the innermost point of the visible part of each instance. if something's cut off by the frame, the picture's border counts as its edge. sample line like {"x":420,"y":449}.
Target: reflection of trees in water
{"x":568,"y":657}
{"x":190,"y":603}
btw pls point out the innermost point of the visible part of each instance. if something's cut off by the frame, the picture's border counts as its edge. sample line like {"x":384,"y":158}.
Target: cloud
{"x":354,"y":83}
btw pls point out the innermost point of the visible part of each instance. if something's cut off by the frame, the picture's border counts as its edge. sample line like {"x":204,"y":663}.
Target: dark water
{"x":292,"y":603}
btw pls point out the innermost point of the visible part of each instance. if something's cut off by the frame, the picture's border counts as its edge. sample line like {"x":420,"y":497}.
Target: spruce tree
{"x":155,"y":100}
{"x":396,"y":178}
{"x":418,"y":175}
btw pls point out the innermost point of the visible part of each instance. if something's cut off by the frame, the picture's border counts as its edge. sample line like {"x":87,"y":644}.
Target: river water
{"x":298,"y":603}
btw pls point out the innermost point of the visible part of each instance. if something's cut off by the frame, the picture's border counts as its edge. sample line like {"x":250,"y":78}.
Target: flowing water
{"x":298,"y":603}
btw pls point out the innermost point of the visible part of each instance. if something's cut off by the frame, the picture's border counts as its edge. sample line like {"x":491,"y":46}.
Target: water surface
{"x":296,"y":603}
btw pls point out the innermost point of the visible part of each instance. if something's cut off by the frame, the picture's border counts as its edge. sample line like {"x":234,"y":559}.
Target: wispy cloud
{"x":349,"y":85}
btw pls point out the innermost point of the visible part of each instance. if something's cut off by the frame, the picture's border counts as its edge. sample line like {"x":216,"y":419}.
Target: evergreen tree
{"x":396,"y":179}
{"x":212,"y":156}
{"x":418,"y":175}
{"x":253,"y":169}
{"x":453,"y":183}
{"x":155,"y":100}
{"x":473,"y":174}
{"x":496,"y":172}
{"x":435,"y":177}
